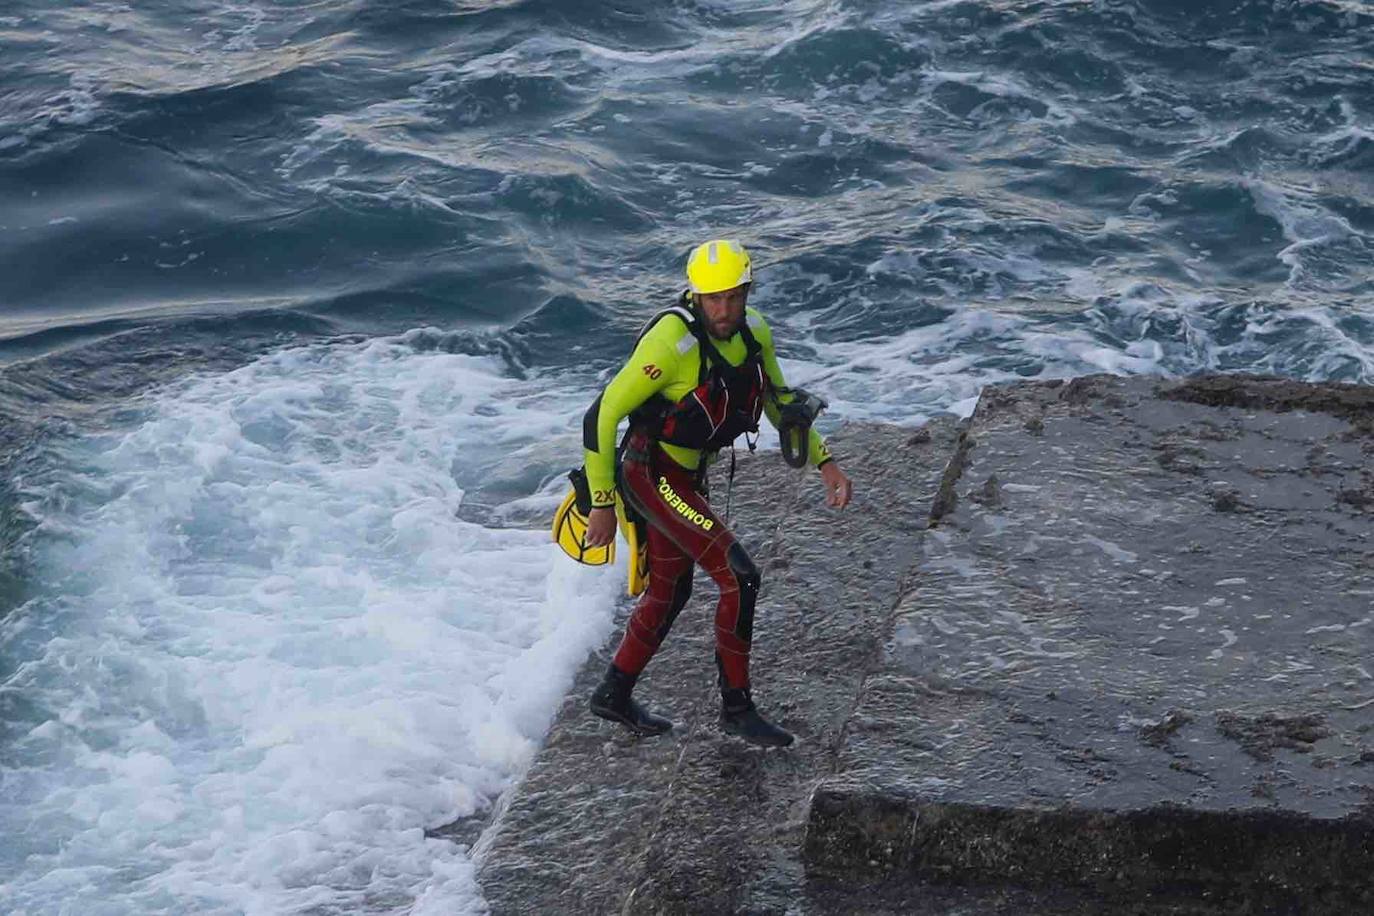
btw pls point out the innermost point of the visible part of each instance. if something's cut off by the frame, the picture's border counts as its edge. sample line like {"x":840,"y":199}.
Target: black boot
{"x":739,"y":717}
{"x":611,"y":700}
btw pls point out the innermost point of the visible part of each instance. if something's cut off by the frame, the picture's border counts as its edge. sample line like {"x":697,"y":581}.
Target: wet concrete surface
{"x":697,"y":821}
{"x":1127,"y":668}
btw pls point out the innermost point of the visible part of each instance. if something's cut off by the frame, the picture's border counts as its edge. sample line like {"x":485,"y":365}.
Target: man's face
{"x":724,"y":311}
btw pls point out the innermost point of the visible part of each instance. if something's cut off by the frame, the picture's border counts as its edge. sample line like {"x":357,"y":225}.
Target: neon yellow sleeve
{"x":817,"y":452}
{"x":651,"y":367}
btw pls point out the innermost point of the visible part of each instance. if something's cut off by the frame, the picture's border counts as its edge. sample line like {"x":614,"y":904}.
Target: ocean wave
{"x":826,"y":59}
{"x":1325,"y":251}
{"x":102,"y":80}
{"x":1350,"y":148}
{"x":1299,"y":19}
{"x":570,"y":200}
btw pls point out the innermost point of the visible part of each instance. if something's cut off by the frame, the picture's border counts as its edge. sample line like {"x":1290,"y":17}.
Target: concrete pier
{"x":1106,"y":644}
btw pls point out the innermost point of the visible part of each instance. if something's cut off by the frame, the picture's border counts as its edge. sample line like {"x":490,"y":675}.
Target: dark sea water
{"x":301,"y":302}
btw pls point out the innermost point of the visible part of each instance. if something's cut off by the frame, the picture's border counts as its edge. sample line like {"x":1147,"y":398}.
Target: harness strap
{"x":730,"y":487}
{"x":687,"y":312}
{"x":684,"y":311}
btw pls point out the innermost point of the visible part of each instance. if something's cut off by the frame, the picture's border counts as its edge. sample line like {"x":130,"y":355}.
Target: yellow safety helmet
{"x":718,"y":265}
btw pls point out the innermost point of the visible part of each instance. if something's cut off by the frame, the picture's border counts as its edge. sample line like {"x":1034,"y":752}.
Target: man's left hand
{"x":838,"y":489}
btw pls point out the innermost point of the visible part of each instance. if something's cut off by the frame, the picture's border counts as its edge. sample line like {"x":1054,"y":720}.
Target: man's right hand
{"x":600,"y":527}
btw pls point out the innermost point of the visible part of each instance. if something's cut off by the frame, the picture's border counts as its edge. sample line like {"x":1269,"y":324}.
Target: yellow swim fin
{"x":637,"y":539}
{"x":570,"y":525}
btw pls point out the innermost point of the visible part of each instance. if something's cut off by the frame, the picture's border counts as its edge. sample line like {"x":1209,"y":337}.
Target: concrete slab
{"x":1126,"y":670}
{"x":697,"y":821}
{"x":1136,"y":654}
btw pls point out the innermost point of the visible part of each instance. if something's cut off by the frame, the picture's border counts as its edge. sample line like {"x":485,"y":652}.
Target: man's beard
{"x":732,"y":328}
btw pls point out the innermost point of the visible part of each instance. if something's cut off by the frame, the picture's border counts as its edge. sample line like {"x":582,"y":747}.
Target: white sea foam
{"x":1323,"y":342}
{"x":942,"y":367}
{"x":267,"y":654}
{"x":1134,"y":328}
{"x":907,"y":377}
{"x":244,"y":38}
{"x":1306,"y":224}
{"x":75,"y":106}
{"x":1005,"y":85}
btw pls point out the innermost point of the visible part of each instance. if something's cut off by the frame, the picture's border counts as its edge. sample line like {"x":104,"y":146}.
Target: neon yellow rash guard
{"x":667,"y":361}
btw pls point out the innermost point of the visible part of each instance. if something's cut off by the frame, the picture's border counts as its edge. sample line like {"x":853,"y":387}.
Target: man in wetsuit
{"x":701,"y":374}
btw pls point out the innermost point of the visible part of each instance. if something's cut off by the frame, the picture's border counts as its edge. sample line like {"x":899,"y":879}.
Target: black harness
{"x":726,"y":403}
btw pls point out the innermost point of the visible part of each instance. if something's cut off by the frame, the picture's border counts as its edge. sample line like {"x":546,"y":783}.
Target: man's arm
{"x":838,"y":488}
{"x":649,"y":369}
{"x":817,"y":453}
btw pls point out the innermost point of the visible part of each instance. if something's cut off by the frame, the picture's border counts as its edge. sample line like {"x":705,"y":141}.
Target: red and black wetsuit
{"x":687,"y":395}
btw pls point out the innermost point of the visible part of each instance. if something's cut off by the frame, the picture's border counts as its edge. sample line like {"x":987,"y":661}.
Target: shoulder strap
{"x":752,"y":347}
{"x":688,"y":317}
{"x":683,"y":313}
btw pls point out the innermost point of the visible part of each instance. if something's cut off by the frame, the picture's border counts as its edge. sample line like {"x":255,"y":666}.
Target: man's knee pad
{"x":682,"y":590}
{"x":747,"y":575}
